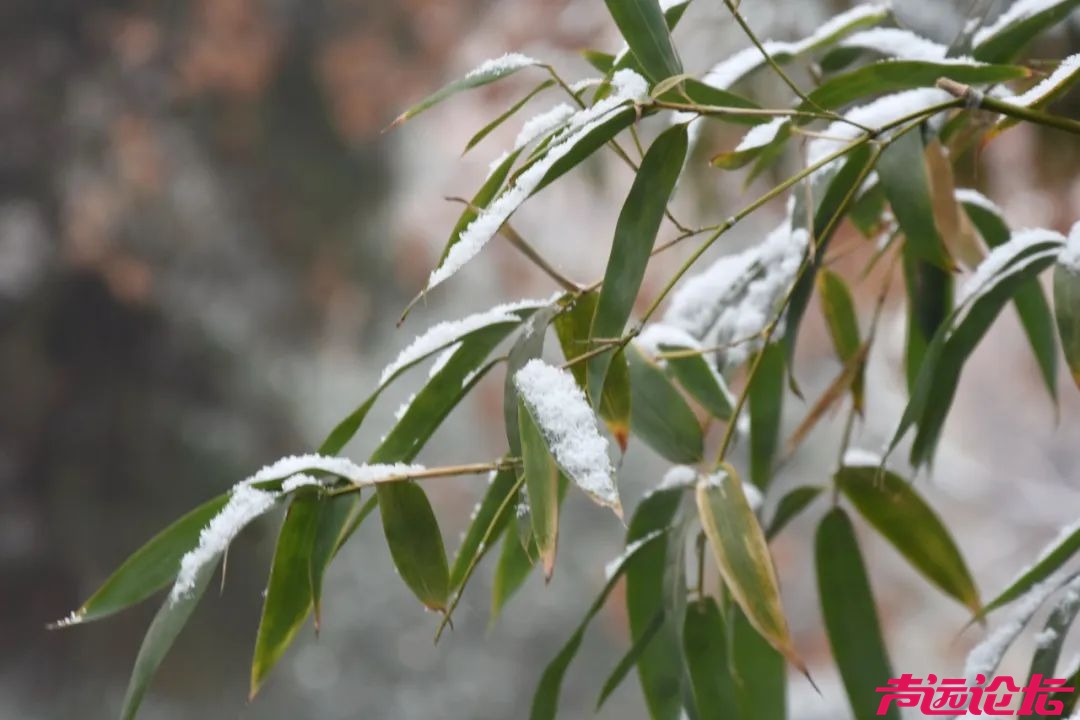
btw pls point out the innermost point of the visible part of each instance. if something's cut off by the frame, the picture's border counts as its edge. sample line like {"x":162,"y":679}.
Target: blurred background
{"x":205,"y":242}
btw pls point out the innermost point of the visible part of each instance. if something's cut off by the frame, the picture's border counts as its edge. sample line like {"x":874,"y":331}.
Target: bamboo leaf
{"x":891,"y":505}
{"x":415,"y":542}
{"x":510,"y":112}
{"x":742,"y":557}
{"x":705,"y":647}
{"x":1067,"y":314}
{"x":152,"y":567}
{"x":487,"y":516}
{"x":1060,"y":552}
{"x":1029,"y":299}
{"x":542,"y":485}
{"x":907,"y":187}
{"x":791,"y":506}
{"x":1003,"y":42}
{"x":288,"y":592}
{"x":645,"y":29}
{"x":629,"y":660}
{"x":635,"y":234}
{"x":760,"y":672}
{"x":766,"y":407}
{"x":659,"y":415}
{"x":511,"y":571}
{"x":1049,"y":642}
{"x":701,"y":381}
{"x":851,"y":620}
{"x":529,"y":345}
{"x":843,"y":324}
{"x":485,"y":74}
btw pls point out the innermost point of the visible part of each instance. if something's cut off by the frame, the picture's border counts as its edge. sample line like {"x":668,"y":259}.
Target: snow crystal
{"x":507,"y":63}
{"x":733,"y":301}
{"x":245,"y":504}
{"x":449,"y":331}
{"x":988,"y":272}
{"x":761,"y":135}
{"x":73,"y":618}
{"x":1018,"y":12}
{"x":1046,"y":638}
{"x":568,"y":424}
{"x":615,"y":565}
{"x":627,"y":87}
{"x":903,"y":45}
{"x":857,"y":457}
{"x":1069,"y":66}
{"x":728,"y":72}
{"x":298,"y":481}
{"x":971,"y":196}
{"x":985,"y":657}
{"x":1070,"y":254}
{"x":542,"y":124}
{"x":877,"y":114}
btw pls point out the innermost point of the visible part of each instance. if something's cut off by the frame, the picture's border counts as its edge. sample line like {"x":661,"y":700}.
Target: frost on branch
{"x":627,"y":87}
{"x":568,"y":424}
{"x":731,"y":303}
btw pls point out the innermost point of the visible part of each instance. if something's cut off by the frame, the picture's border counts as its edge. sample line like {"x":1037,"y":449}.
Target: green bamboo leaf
{"x":599,"y":136}
{"x":1029,"y":299}
{"x":929,"y":297}
{"x":509,"y":113}
{"x":742,"y":557}
{"x":166,"y":626}
{"x":1049,"y":642}
{"x":542,"y":485}
{"x":529,"y":345}
{"x":851,"y":620}
{"x":339,"y":518}
{"x":546,"y":698}
{"x":1050,"y":560}
{"x":511,"y":571}
{"x":288,"y":593}
{"x":602,"y":61}
{"x":628,"y":661}
{"x":791,"y":506}
{"x":655,"y":582}
{"x":499,"y":490}
{"x":415,"y":542}
{"x":485,"y":74}
{"x":766,"y":407}
{"x":896,"y":75}
{"x":906,"y":185}
{"x":151,"y":567}
{"x":760,"y":672}
{"x":699,"y":93}
{"x":1004,"y":39}
{"x":645,"y":29}
{"x":700,"y":380}
{"x":891,"y":505}
{"x":705,"y":647}
{"x":1067,"y":313}
{"x":843,"y":324}
{"x":762,"y":143}
{"x":635,"y":235}
{"x":659,"y":415}
{"x":573,"y":329}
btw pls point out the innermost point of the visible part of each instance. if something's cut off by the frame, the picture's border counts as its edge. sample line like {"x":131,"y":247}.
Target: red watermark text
{"x":956,"y":696}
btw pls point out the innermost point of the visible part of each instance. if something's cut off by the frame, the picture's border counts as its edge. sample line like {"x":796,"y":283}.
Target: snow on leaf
{"x":656,"y":335}
{"x":627,"y":87}
{"x":1070,"y":254}
{"x":728,"y":72}
{"x":450,"y":331}
{"x":903,"y":45}
{"x":971,"y":196}
{"x":1065,"y":72}
{"x":568,"y":424}
{"x":989,"y":272}
{"x":1018,"y":12}
{"x":877,"y":114}
{"x":245,"y":504}
{"x":731,"y":303}
{"x":542,"y":124}
{"x":504,"y":64}
{"x":615,"y":565}
{"x":986,"y":656}
{"x":761,"y":135}
{"x":857,"y":457}
{"x":297,"y":481}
